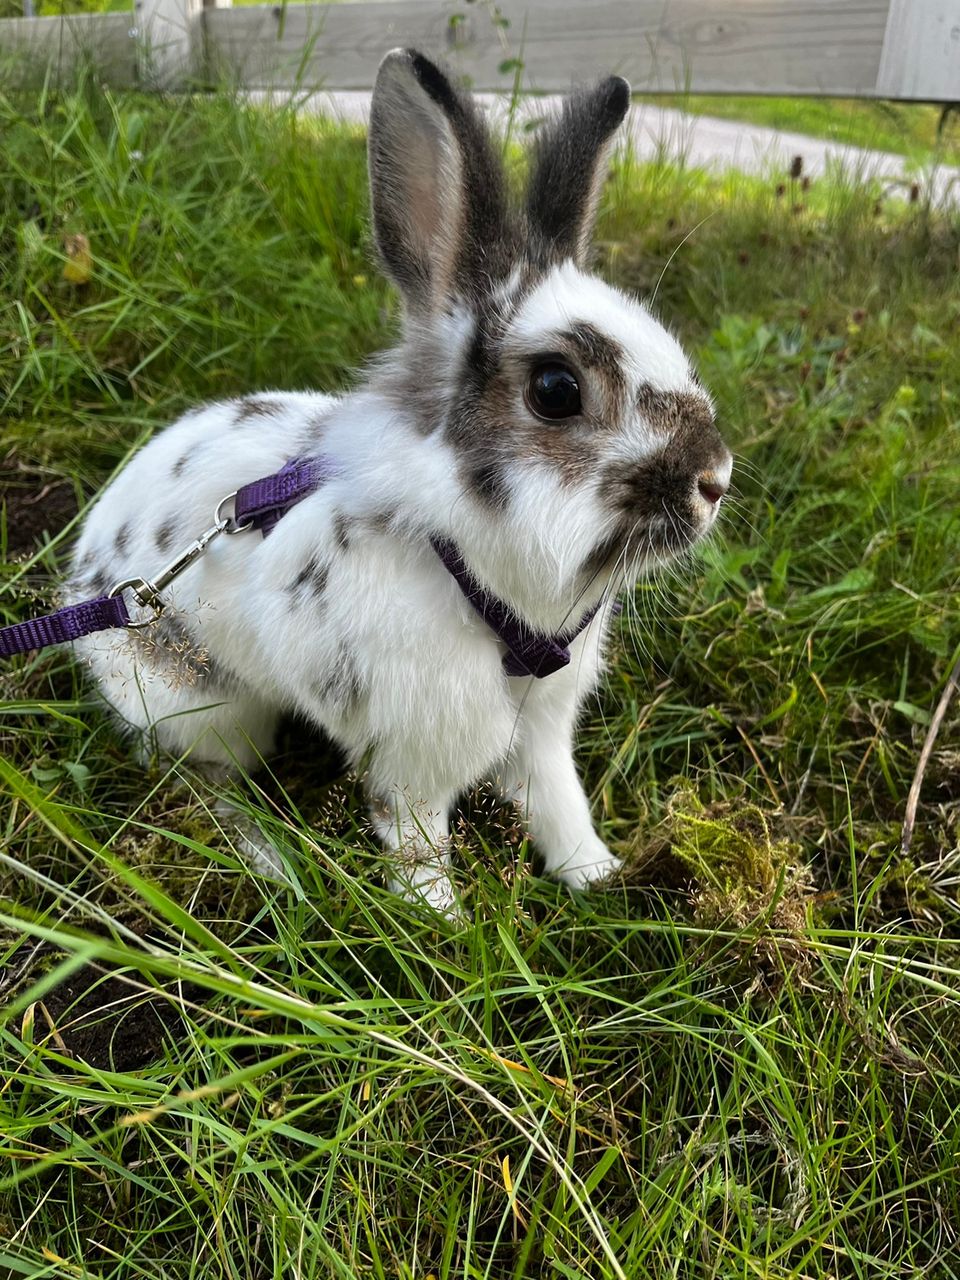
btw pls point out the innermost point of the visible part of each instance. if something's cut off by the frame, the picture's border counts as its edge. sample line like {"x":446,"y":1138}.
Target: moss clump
{"x":745,"y":878}
{"x":922,"y":885}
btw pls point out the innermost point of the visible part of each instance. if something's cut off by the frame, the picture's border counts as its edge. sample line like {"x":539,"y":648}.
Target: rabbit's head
{"x":583,"y":444}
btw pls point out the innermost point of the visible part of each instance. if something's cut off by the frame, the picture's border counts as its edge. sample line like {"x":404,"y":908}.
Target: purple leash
{"x":259,"y":505}
{"x":66,"y":624}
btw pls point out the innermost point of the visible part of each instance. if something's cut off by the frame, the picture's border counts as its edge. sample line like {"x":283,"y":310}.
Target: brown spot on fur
{"x":122,"y":539}
{"x":92,"y":577}
{"x":494,"y":431}
{"x":487,"y":482}
{"x":257,"y":407}
{"x":341,"y":688}
{"x":572,"y":452}
{"x":658,"y":495}
{"x":670,"y":412}
{"x":381,"y":521}
{"x":312,"y":576}
{"x":180,"y":465}
{"x":164,"y":535}
{"x":602,"y":354}
{"x":417,"y":380}
{"x":341,"y":531}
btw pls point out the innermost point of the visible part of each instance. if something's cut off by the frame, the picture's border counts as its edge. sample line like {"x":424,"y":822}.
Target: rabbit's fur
{"x":345,"y":613}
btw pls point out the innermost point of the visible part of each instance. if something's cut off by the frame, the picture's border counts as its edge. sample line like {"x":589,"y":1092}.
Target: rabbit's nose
{"x":711,"y":487}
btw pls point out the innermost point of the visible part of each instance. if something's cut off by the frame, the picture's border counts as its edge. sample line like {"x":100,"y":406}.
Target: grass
{"x":740,"y":1062}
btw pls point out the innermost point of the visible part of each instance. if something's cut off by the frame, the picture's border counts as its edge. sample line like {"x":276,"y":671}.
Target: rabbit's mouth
{"x":668,"y":536}
{"x":642,"y":545}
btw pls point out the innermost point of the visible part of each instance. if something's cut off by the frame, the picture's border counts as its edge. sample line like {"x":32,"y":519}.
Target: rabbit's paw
{"x":252,"y":845}
{"x":429,"y":883}
{"x":591,"y":863}
{"x":261,"y":856}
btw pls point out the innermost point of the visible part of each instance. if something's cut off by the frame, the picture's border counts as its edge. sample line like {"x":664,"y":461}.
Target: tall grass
{"x":740,"y":1062}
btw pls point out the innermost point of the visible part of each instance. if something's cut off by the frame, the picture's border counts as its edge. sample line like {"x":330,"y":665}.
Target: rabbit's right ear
{"x":436,"y":186}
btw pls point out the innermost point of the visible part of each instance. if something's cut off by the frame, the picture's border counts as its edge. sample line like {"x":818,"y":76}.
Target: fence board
{"x":724,"y":46}
{"x":921,"y":51}
{"x":59,"y":45}
{"x":860,"y":48}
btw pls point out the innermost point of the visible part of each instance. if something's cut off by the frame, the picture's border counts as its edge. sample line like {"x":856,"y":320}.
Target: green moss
{"x":744,"y":877}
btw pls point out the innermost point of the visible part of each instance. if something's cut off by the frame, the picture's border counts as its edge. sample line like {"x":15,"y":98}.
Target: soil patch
{"x":108,"y":1022}
{"x":35,"y":502}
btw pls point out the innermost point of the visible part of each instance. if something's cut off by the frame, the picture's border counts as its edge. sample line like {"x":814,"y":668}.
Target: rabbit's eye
{"x":553,"y":391}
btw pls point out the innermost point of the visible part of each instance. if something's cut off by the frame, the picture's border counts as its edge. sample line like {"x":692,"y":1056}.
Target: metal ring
{"x":156,"y":604}
{"x":229,"y":523}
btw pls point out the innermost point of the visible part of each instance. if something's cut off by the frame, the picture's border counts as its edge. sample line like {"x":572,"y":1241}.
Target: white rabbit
{"x":540,"y":421}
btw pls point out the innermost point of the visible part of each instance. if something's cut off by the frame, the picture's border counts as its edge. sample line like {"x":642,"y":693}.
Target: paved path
{"x":706,"y":142}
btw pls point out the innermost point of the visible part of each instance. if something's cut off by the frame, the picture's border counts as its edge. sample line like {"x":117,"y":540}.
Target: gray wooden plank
{"x":34,"y":48}
{"x":921,"y":51}
{"x":722,"y":46}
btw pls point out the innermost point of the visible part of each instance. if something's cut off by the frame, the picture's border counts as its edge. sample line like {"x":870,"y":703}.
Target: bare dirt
{"x":108,"y":1022}
{"x":36,"y":504}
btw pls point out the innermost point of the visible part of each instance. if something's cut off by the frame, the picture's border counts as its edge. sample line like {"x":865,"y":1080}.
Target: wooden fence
{"x":861,"y":48}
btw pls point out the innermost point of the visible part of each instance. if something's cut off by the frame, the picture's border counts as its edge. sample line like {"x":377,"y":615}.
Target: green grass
{"x":742,"y":1061}
{"x":905,"y":128}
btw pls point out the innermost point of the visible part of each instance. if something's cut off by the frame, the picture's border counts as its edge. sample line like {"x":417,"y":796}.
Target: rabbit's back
{"x":167,"y":493}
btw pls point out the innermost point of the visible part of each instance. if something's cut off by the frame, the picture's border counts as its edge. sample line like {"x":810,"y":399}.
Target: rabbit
{"x":540,"y":421}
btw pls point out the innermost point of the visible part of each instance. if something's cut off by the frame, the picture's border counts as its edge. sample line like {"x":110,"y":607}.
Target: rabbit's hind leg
{"x":175,"y":702}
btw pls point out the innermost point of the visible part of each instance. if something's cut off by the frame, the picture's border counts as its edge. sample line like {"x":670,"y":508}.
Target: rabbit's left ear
{"x":437,"y":187}
{"x":569,"y":166}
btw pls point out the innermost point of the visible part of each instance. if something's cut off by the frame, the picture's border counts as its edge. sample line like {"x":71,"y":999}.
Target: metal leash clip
{"x":146,"y":591}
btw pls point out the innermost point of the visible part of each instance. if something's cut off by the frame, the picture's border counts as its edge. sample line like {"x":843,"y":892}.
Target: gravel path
{"x":706,"y":142}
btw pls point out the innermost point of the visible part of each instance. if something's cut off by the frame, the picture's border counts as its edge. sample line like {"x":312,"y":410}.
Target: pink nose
{"x":711,"y":489}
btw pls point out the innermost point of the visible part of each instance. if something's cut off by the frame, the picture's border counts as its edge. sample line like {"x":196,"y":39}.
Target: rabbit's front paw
{"x":430,"y":883}
{"x":252,"y":845}
{"x":591,"y":863}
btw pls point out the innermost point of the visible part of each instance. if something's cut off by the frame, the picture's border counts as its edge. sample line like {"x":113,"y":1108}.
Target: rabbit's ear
{"x":569,"y":167}
{"x":437,"y":188}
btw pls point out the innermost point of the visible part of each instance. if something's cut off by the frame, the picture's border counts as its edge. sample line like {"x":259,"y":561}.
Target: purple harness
{"x":260,"y":505}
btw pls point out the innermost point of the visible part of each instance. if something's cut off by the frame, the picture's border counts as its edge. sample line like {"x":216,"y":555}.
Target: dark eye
{"x":553,"y":391}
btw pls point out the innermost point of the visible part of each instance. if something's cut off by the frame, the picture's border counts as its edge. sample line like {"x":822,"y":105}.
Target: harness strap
{"x":260,"y":505}
{"x":263,"y":502}
{"x":529,"y":653}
